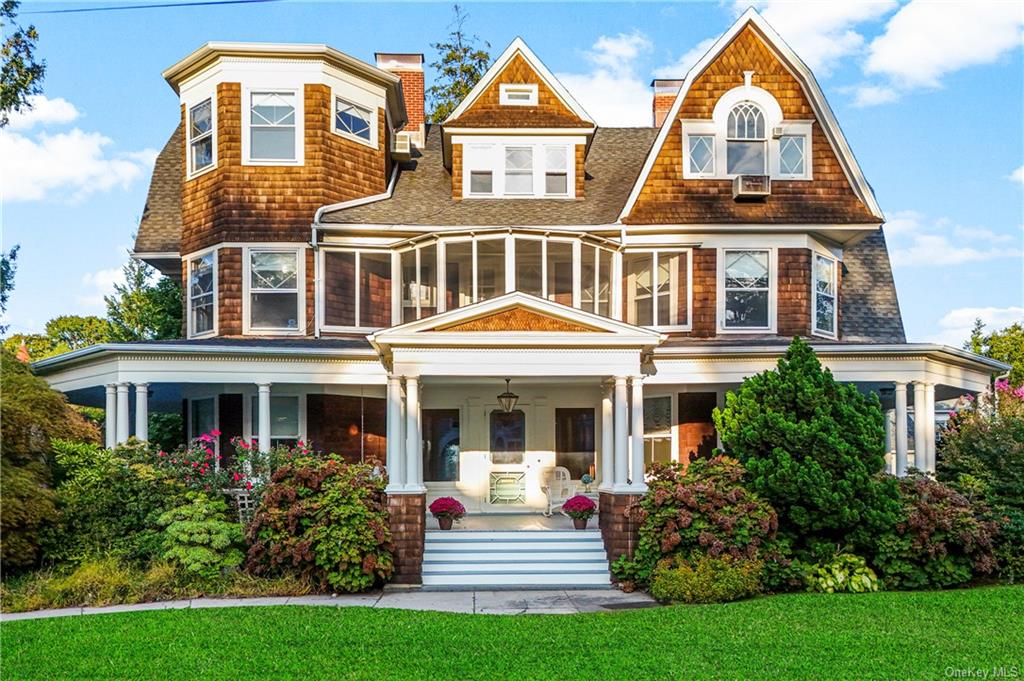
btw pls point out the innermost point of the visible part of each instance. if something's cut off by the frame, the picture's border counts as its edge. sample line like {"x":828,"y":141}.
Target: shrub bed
{"x":704,"y":579}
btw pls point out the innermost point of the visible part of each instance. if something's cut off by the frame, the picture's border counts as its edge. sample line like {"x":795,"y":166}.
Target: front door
{"x":507,"y":480}
{"x":440,"y":445}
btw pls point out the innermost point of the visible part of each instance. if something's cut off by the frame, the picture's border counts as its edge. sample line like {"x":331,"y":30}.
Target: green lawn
{"x":884,"y":635}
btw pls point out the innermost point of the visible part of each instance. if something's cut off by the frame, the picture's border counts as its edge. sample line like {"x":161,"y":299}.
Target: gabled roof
{"x":518,"y":47}
{"x":822,"y":110}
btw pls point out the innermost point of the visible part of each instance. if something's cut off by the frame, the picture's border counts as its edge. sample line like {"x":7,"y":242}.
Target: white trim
{"x":823,"y":113}
{"x":248,"y":394}
{"x":673,"y":291}
{"x":483,"y":132}
{"x":518,"y":45}
{"x":214,"y":250}
{"x":529,"y":88}
{"x":300,"y":125}
{"x":300,"y":282}
{"x":488,"y":154}
{"x":373,"y":142}
{"x":773,"y":290}
{"x":321,"y":312}
{"x":190,"y":173}
{"x":814,"y":295}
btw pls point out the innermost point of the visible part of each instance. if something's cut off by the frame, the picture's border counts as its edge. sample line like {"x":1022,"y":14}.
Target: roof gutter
{"x":357,"y":202}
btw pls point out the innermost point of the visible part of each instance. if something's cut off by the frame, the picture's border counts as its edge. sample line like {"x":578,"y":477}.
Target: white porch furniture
{"x":558,"y":487}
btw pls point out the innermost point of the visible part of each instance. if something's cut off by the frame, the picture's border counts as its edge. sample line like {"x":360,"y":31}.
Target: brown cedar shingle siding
{"x":229,"y":291}
{"x":794,"y":296}
{"x":666,"y":198}
{"x":488,"y":112}
{"x":705,"y":285}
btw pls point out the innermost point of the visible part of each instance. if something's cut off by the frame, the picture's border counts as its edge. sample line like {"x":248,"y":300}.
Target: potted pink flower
{"x":580,"y":509}
{"x":447,"y":510}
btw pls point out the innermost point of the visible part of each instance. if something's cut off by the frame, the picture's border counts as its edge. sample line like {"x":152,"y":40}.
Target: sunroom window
{"x":419,"y":282}
{"x":357,"y":289}
{"x":201,"y":294}
{"x":747,"y":289}
{"x":655,"y":289}
{"x":200,"y":136}
{"x":272,"y":126}
{"x":273,"y":291}
{"x":352,"y":119}
{"x":824,"y":295}
{"x":595,"y":280}
{"x":745,"y":140}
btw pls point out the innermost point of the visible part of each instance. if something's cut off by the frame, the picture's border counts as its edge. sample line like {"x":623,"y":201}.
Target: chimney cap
{"x":667,"y":84}
{"x":412,"y":61}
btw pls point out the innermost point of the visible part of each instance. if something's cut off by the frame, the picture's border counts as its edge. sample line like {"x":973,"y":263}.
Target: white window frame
{"x":189,"y":323}
{"x":773,"y":290}
{"x":673,"y":435}
{"x":373,"y":142}
{"x":570,"y":159}
{"x":596,"y":304}
{"x":531,"y":173}
{"x":300,"y":136}
{"x":300,"y":280}
{"x":529,"y":88}
{"x":322,"y":303}
{"x":212,"y":99}
{"x":814,"y":295}
{"x":801,"y":130}
{"x":673,"y":294}
{"x":488,"y":154}
{"x":250,"y":419}
{"x":397,"y":274}
{"x":687,"y":160}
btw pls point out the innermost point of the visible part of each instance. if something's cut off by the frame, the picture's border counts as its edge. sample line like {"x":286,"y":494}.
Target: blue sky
{"x":930,"y":96}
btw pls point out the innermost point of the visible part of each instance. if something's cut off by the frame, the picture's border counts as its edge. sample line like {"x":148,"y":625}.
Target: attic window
{"x":518,"y":95}
{"x":745,"y":146}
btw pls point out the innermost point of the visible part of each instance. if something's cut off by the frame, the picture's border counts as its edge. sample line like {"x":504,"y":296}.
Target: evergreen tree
{"x":8,"y":266}
{"x":460,"y":65}
{"x":139,"y":310}
{"x":20,"y":73}
{"x":814,"y":449}
{"x":1006,"y":346}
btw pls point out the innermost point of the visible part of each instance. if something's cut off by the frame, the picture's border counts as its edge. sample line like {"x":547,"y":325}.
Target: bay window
{"x":201,"y":292}
{"x":746,"y":286}
{"x":825,"y":270}
{"x":201,"y":137}
{"x":352,"y":120}
{"x":273,"y":297}
{"x":357,"y":289}
{"x":273,"y":127}
{"x":655,"y":288}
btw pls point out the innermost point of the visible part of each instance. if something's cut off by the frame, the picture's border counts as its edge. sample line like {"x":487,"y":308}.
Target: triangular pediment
{"x":518,"y":318}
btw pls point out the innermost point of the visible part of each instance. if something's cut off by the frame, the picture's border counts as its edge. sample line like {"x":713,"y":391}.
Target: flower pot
{"x":445,"y":522}
{"x":580,"y":523}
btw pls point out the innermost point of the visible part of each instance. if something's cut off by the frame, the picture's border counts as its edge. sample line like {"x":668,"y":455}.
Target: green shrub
{"x":813,"y":449}
{"x":941,"y":539}
{"x":703,"y":509}
{"x":94,"y":583}
{"x":325,"y":523}
{"x":704,"y":579}
{"x":845,"y":573}
{"x":166,"y":430}
{"x":201,"y":539}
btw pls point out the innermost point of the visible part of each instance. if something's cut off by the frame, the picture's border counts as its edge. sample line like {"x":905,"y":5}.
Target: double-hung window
{"x":284,"y":419}
{"x":518,"y":170}
{"x":745,"y":141}
{"x":353,"y":120}
{"x":200,"y":136}
{"x":201,"y":292}
{"x":272,"y":127}
{"x":274,"y":284}
{"x":824,"y":295}
{"x":556,"y":171}
{"x":747,"y":290}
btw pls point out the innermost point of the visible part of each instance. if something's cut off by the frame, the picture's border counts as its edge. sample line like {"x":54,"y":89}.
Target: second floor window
{"x":824,"y":295}
{"x":357,"y":289}
{"x":272,"y":126}
{"x":354,"y":120}
{"x":200,"y":136}
{"x":654,"y":288}
{"x":201,"y":294}
{"x":519,"y":170}
{"x":747,"y":289}
{"x":745,"y":140}
{"x":274,"y":290}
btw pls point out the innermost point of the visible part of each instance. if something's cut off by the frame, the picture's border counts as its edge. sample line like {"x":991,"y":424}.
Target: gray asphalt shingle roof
{"x":160,"y":226}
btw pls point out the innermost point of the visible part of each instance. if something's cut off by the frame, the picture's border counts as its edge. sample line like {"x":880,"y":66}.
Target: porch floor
{"x":512,"y":522}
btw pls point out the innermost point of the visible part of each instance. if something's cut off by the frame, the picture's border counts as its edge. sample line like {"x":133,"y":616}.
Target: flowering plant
{"x":197,"y":465}
{"x":447,"y":507}
{"x":579,"y":507}
{"x":587,"y":479}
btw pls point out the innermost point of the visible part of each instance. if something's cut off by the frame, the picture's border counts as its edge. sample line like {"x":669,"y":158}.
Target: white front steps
{"x":515,"y":558}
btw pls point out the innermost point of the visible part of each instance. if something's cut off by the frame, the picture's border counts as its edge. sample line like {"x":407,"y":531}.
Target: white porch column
{"x":142,"y":411}
{"x":929,"y":427}
{"x":607,"y":439}
{"x":413,"y":445}
{"x":110,"y":419}
{"x":920,"y":426}
{"x":122,"y":413}
{"x":900,"y":393}
{"x":621,"y":453}
{"x":263,"y":416}
{"x":637,"y":468}
{"x":890,"y":441}
{"x":396,"y":443}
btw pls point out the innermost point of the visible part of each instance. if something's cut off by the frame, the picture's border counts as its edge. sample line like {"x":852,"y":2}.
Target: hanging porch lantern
{"x":508,"y":399}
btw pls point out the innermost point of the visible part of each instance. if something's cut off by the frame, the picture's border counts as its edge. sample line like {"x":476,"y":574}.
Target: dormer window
{"x":200,"y":137}
{"x":518,"y":94}
{"x":514,"y":167}
{"x":518,"y":170}
{"x":745,"y":141}
{"x":556,"y":171}
{"x":354,"y":121}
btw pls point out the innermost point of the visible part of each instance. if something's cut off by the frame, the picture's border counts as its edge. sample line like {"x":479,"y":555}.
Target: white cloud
{"x":1017,"y":175}
{"x":955,"y":326}
{"x":612,"y":92}
{"x":97,"y":284}
{"x":925,"y":40}
{"x":913,"y":241}
{"x":44,"y":111}
{"x":872,"y":95}
{"x":684,"y":63}
{"x":70,"y":164}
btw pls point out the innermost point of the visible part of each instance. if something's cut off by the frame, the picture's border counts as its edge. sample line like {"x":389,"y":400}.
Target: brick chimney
{"x":665,"y":91}
{"x":408,"y":67}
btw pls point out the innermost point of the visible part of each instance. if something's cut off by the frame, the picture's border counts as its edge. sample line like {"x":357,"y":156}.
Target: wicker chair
{"x":558,"y":487}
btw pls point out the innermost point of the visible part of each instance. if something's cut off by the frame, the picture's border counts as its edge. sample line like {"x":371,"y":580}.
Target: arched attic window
{"x":745,"y":140}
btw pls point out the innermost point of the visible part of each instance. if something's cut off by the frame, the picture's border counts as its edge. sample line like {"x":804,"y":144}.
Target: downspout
{"x":317,"y":288}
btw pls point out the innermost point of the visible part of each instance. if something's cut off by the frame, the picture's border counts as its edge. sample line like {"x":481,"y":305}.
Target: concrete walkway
{"x":547,"y":602}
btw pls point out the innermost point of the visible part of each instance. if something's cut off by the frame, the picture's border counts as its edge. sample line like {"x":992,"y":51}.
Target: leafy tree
{"x":813,"y":449}
{"x":139,"y":310}
{"x":37,"y":345}
{"x":1006,"y":346}
{"x":20,"y":73}
{"x":460,"y":65}
{"x":8,"y":266}
{"x":75,"y":331}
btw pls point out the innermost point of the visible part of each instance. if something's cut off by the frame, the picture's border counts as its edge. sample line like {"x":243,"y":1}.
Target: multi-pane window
{"x":200,"y":135}
{"x":556,"y":171}
{"x":657,"y":430}
{"x":481,"y":182}
{"x":272,"y":131}
{"x":824,"y":295}
{"x":595,"y":280}
{"x":353,"y":119}
{"x":200,"y":294}
{"x":702,"y":154}
{"x":419,"y":282}
{"x":791,"y":155}
{"x":655,"y":288}
{"x":745,"y":140}
{"x":518,"y":170}
{"x":357,"y":289}
{"x":284,"y":419}
{"x":273,"y":290}
{"x":747,"y":289}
